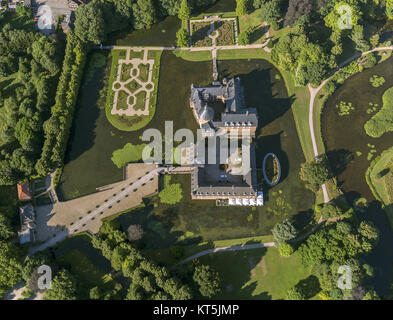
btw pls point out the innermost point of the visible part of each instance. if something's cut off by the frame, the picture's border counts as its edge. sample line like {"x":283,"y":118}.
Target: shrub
{"x":285,"y":249}
{"x":377,"y":81}
{"x":129,"y":153}
{"x":382,"y":121}
{"x":294,"y":294}
{"x":245,"y":36}
{"x":284,"y":231}
{"x":344,"y":109}
{"x":172,"y":193}
{"x":183,"y":39}
{"x":315,"y":173}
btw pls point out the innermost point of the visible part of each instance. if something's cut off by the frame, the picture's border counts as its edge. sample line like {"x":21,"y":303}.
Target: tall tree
{"x":315,"y":173}
{"x":284,"y":231}
{"x":184,"y":11}
{"x":90,"y":23}
{"x":241,"y":7}
{"x":208,"y":280}
{"x":63,"y":287}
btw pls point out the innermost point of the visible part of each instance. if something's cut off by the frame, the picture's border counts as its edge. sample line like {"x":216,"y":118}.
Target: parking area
{"x":47,"y":12}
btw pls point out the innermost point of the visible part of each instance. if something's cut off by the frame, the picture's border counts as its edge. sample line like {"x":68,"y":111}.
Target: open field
{"x":257,"y":274}
{"x":381,"y":178}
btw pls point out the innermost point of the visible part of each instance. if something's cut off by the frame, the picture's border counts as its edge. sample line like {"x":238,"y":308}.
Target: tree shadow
{"x":339,"y":159}
{"x":257,"y":86}
{"x":258,"y":33}
{"x":157,"y":227}
{"x":309,"y":287}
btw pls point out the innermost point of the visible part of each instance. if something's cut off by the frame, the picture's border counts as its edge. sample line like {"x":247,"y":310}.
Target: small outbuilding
{"x":28,"y":224}
{"x":24,"y":193}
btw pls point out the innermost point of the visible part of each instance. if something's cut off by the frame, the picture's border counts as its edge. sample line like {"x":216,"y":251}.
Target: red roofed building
{"x":24,"y":191}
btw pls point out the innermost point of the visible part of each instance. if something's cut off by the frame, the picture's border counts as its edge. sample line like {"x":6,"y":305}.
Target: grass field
{"x":87,"y":273}
{"x":89,"y":266}
{"x":252,"y":20}
{"x":383,"y":186}
{"x":256,"y":274}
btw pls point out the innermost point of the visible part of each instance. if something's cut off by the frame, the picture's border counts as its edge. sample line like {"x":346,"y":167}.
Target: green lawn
{"x":252,"y":20}
{"x":193,"y":55}
{"x":383,"y":187}
{"x":167,"y":258}
{"x":256,"y":274}
{"x":87,"y":273}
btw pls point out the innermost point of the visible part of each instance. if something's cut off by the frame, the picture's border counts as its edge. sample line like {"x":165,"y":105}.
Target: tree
{"x":171,"y":6}
{"x":90,"y":23}
{"x":284,"y":231}
{"x":270,"y":11}
{"x":294,"y":293}
{"x":172,"y":192}
{"x":368,"y":230}
{"x":389,"y":9}
{"x":315,"y":173}
{"x":183,"y":38}
{"x":285,"y":249}
{"x":330,"y":211}
{"x":241,"y":7}
{"x":135,"y":232}
{"x":95,"y":293}
{"x":371,"y":295}
{"x":144,"y":14}
{"x":357,"y":37}
{"x":208,"y":280}
{"x":10,"y":265}
{"x":296,"y":10}
{"x":374,"y":40}
{"x":345,"y":14}
{"x":63,"y":287}
{"x":6,"y":230}
{"x":184,"y":11}
{"x":245,"y":36}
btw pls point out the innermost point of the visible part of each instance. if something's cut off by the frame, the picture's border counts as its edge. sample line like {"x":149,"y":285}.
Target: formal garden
{"x":132,"y":88}
{"x":213,"y":31}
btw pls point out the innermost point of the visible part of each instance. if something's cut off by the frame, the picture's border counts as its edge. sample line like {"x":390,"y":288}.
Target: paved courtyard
{"x":59,"y":216}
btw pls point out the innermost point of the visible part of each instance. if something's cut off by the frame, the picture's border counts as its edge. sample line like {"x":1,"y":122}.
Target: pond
{"x":350,"y":152}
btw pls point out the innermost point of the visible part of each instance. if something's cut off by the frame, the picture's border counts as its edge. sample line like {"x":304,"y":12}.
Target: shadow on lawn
{"x":157,"y":227}
{"x":236,"y":278}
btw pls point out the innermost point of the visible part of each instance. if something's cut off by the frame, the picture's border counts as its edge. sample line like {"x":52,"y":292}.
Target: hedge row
{"x":57,"y":127}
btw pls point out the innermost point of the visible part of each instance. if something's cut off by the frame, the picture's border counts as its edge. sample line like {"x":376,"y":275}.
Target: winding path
{"x":313,"y":93}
